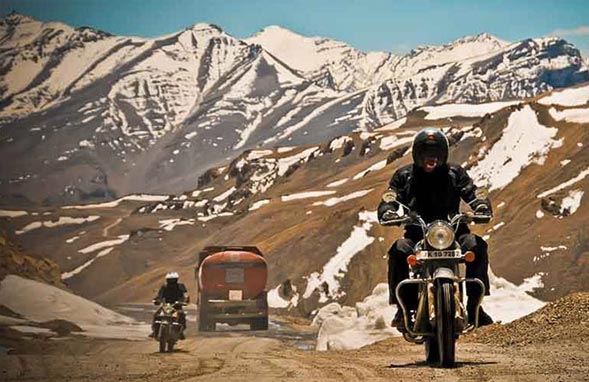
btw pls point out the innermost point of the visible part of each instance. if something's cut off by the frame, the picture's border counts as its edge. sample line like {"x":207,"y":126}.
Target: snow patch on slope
{"x":337,"y":266}
{"x":572,"y":202}
{"x":464,"y":110}
{"x":375,"y":167}
{"x":524,"y":141}
{"x":114,"y":203}
{"x":571,"y":115}
{"x":582,"y":175}
{"x":567,"y":97}
{"x":333,"y":201}
{"x":63,"y":220}
{"x":305,"y":195}
{"x":508,"y":301}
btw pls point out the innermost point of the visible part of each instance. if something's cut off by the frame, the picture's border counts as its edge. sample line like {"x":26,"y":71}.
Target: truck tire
{"x":204,"y":324}
{"x":259,"y":324}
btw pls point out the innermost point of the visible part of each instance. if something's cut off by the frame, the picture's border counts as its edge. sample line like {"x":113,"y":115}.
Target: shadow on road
{"x":176,"y":351}
{"x":419,"y":364}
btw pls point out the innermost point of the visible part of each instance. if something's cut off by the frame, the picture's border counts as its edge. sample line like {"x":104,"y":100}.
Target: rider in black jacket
{"x":172,"y":291}
{"x":432,"y":188}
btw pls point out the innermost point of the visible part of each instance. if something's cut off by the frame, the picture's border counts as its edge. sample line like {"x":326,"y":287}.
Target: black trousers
{"x":402,"y":248}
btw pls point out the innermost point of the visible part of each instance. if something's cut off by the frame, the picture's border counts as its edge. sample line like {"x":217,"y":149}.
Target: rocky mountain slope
{"x":14,"y":261}
{"x":91,"y":116}
{"x":311,"y":209}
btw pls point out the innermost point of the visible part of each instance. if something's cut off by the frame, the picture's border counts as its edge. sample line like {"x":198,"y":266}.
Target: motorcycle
{"x":435,"y":267}
{"x":167,"y":324}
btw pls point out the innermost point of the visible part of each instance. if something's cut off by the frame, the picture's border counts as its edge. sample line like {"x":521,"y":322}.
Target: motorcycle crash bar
{"x":404,"y":306}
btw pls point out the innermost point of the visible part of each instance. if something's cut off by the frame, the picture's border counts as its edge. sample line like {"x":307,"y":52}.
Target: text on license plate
{"x":438,"y":254}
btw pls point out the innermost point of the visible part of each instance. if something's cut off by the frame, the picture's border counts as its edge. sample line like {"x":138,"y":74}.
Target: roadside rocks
{"x":564,"y":319}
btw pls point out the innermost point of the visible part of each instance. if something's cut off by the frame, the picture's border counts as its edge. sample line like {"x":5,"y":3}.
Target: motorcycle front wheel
{"x":432,"y":353}
{"x":445,"y":311}
{"x":163,"y":338}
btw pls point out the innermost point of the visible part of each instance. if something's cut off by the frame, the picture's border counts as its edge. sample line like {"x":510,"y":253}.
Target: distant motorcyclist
{"x":432,"y":188}
{"x":171,"y":292}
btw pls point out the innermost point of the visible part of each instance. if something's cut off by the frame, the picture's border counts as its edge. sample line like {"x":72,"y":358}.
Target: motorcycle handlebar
{"x":413,"y":217}
{"x":158,"y":302}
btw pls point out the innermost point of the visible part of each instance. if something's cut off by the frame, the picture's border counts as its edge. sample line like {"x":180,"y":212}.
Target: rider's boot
{"x":183,"y":323}
{"x":484,"y":318}
{"x":153,"y":329}
{"x":398,"y":321}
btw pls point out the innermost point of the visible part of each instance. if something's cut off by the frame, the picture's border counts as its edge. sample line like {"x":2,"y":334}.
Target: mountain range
{"x":88,"y":116}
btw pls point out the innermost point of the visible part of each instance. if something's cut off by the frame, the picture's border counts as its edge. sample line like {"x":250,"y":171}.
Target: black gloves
{"x":482,"y":212}
{"x":390,"y":217}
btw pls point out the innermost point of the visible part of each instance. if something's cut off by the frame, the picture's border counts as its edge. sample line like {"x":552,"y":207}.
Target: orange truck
{"x":231,"y":287}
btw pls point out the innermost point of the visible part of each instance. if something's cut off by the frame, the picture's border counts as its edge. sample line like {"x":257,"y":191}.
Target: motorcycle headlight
{"x":440,"y":235}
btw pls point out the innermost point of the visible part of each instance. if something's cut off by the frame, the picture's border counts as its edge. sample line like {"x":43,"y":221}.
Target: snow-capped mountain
{"x":88,"y":115}
{"x":348,"y":69}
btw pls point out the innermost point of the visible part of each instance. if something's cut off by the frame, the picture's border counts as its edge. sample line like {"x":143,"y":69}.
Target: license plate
{"x":235,"y":295}
{"x":439,"y":254}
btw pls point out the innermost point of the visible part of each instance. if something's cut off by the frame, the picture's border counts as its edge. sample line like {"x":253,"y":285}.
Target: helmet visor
{"x":429,"y":154}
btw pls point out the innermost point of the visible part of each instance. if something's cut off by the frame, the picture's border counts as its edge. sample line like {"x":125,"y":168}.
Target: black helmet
{"x":430,"y":142}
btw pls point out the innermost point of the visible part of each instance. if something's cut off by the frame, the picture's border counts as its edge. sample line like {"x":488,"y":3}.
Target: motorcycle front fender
{"x":444,"y":273}
{"x":164,"y":330}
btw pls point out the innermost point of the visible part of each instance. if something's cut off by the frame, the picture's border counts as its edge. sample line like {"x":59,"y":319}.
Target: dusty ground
{"x":245,"y":357}
{"x":551,"y":344}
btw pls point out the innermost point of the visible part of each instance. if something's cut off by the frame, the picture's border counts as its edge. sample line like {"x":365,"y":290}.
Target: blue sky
{"x":389,"y":25}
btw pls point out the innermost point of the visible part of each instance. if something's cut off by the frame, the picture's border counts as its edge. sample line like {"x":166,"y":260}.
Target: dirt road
{"x":243,"y":356}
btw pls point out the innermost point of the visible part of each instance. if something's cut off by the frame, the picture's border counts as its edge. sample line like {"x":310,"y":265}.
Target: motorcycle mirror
{"x":482,"y":192}
{"x":389,"y":196}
